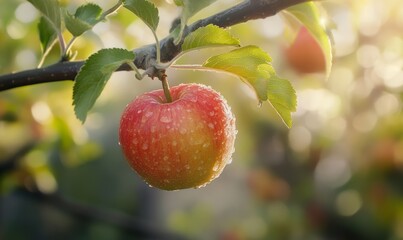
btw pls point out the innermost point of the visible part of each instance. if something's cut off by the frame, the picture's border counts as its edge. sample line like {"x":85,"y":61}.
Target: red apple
{"x":181,"y":144}
{"x":305,"y":55}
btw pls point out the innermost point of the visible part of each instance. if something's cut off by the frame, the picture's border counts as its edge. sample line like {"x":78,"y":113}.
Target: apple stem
{"x":165,"y":86}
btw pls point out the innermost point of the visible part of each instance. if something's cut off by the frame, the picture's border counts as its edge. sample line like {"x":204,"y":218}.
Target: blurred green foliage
{"x":336,"y":174}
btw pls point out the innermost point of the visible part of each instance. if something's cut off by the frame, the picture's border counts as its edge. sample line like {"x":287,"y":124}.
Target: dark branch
{"x":145,"y":56}
{"x":127,"y":223}
{"x":11,"y":162}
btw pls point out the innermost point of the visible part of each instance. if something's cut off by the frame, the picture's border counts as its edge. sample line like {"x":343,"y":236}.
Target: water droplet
{"x":203,"y":185}
{"x":165,"y":119}
{"x":206,"y":145}
{"x":216,"y":166}
{"x":182,"y":130}
{"x":149,"y":114}
{"x":210,"y":125}
{"x":139,"y":111}
{"x":145,"y":146}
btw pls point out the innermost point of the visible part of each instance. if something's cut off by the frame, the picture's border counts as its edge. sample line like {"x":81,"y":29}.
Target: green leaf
{"x":253,"y":66}
{"x":145,"y":10}
{"x":190,"y":8}
{"x":47,"y":34}
{"x":89,"y":13}
{"x":309,"y":15}
{"x":209,"y":36}
{"x":51,"y":10}
{"x":84,"y":19}
{"x":93,"y":77}
{"x":178,"y":2}
{"x":247,"y":63}
{"x":283,"y":98}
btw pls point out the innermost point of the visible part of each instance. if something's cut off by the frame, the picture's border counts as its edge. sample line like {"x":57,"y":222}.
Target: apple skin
{"x":182,"y":144}
{"x":305,"y":55}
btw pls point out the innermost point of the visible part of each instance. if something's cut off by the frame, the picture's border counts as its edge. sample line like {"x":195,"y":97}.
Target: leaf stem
{"x":111,"y":10}
{"x":158,"y":47}
{"x":62,"y":44}
{"x":165,"y":86}
{"x":139,"y":76}
{"x":189,"y":67}
{"x":70,"y":44}
{"x":45,"y":54}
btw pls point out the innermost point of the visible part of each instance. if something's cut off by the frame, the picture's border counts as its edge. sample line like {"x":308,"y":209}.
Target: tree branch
{"x":11,"y":162}
{"x":125,"y":222}
{"x":145,"y":56}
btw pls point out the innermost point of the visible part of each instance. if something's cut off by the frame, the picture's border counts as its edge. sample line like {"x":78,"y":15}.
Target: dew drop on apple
{"x":149,"y":114}
{"x":205,"y":145}
{"x":165,"y":119}
{"x":229,"y":161}
{"x":216,"y":166}
{"x":182,"y":130}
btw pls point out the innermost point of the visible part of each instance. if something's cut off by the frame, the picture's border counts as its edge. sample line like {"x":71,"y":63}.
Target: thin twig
{"x":11,"y":162}
{"x":137,"y":227}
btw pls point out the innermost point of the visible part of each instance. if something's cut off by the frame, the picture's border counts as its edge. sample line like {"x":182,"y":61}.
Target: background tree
{"x":305,"y":182}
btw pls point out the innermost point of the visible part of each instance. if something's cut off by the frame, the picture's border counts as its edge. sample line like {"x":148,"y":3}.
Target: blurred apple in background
{"x":305,"y":55}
